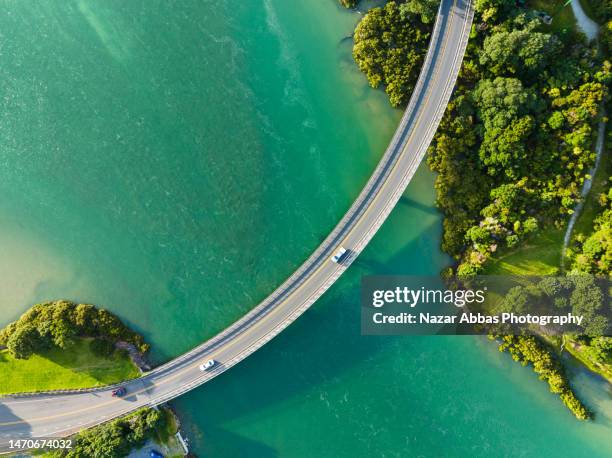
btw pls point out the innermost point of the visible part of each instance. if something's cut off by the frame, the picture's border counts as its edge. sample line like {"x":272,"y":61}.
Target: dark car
{"x":155,"y":454}
{"x":118,"y":392}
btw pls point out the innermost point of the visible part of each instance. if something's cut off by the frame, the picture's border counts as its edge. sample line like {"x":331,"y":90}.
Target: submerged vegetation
{"x":515,"y":145}
{"x":592,"y":252}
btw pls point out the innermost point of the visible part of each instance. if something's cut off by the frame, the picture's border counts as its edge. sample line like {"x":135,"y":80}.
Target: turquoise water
{"x":164,"y":162}
{"x":175,"y":160}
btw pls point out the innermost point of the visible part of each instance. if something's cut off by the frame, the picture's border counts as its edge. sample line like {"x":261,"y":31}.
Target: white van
{"x":339,"y":255}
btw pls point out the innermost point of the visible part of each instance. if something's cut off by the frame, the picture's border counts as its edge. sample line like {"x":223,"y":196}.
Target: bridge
{"x":62,"y":414}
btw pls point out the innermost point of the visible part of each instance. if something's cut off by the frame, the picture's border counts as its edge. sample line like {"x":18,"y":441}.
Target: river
{"x":174,"y":161}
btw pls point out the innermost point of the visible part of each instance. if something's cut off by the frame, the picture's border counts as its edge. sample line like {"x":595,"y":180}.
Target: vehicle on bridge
{"x":119,"y":392}
{"x":339,"y":255}
{"x":38,"y":417}
{"x":208,"y":365}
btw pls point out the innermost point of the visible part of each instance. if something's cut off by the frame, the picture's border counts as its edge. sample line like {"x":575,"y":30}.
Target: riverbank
{"x":166,"y":440}
{"x":134,"y":435}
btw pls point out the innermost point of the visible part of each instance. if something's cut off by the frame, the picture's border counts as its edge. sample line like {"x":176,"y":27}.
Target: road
{"x":61,"y":414}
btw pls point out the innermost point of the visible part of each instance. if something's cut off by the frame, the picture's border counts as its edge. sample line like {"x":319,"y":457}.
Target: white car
{"x":339,"y":254}
{"x":208,"y":365}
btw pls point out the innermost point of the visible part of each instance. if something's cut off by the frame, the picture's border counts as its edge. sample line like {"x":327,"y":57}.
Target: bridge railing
{"x":250,"y":318}
{"x":323,"y":251}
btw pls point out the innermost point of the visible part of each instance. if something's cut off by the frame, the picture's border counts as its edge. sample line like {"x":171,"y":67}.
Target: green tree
{"x":502,"y":100}
{"x":489,"y":10}
{"x":530,"y":350}
{"x":519,"y":52}
{"x":24,"y":342}
{"x":426,"y":9}
{"x":115,"y":439}
{"x":597,"y":326}
{"x":349,"y":3}
{"x":60,"y":323}
{"x":593,"y":253}
{"x":602,"y":348}
{"x":517,"y":300}
{"x":389,"y":47}
{"x":587,"y":299}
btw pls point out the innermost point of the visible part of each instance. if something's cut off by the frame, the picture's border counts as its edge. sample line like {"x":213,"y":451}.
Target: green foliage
{"x":426,"y":9}
{"x":490,"y":10}
{"x":390,"y":44}
{"x":601,"y":9}
{"x":117,"y":438}
{"x":519,"y":52}
{"x":516,"y":300}
{"x":553,"y":286}
{"x":605,"y":37}
{"x":516,"y":141}
{"x":502,"y":100}
{"x":349,"y":3}
{"x":602,"y":349}
{"x":530,"y":350}
{"x":582,"y":295}
{"x":24,"y":342}
{"x":592,"y":253}
{"x":587,"y":299}
{"x":59,"y":324}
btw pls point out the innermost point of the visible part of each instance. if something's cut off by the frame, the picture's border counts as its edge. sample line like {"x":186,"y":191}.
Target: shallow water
{"x":174,"y":161}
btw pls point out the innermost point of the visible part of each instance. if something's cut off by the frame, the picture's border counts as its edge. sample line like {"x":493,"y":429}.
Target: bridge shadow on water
{"x":229,"y":444}
{"x":413,"y":204}
{"x":317,"y":349}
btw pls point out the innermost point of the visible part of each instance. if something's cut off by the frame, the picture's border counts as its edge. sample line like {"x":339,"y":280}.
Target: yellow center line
{"x":276,"y":309}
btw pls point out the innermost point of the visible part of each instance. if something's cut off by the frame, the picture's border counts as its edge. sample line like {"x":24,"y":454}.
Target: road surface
{"x":61,"y":414}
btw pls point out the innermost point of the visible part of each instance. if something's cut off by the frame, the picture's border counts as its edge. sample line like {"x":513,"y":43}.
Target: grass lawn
{"x":601,"y":184}
{"x":63,"y":369}
{"x":540,"y":255}
{"x":588,"y":9}
{"x":563,"y":18}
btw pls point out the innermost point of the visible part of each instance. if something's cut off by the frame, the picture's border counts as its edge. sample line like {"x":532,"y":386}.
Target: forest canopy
{"x":516,"y":141}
